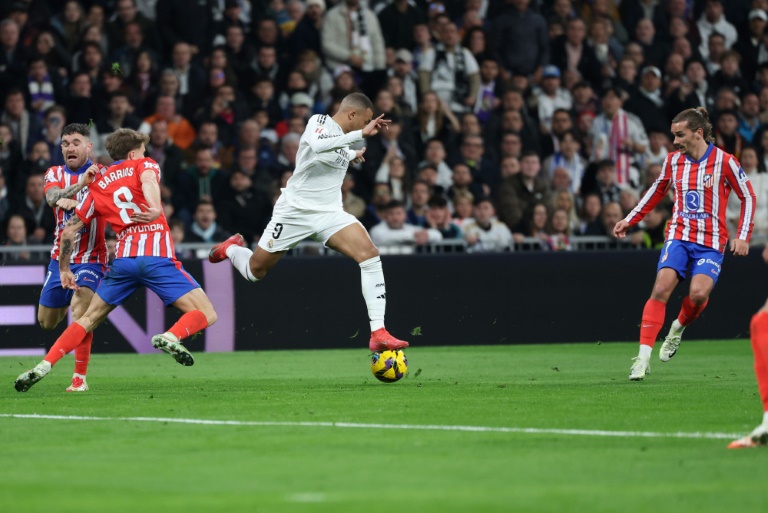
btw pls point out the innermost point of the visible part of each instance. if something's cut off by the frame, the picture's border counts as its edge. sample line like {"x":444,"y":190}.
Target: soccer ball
{"x":389,"y":366}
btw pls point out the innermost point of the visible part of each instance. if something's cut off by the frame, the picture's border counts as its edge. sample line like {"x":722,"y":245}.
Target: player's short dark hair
{"x":77,"y":128}
{"x":123,"y":141}
{"x":696,"y":118}
{"x":357,"y":102}
{"x":484,"y":199}
{"x":605,"y":163}
{"x":437,"y":201}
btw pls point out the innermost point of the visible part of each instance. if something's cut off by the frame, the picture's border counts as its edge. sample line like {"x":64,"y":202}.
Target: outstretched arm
{"x":54,"y":194}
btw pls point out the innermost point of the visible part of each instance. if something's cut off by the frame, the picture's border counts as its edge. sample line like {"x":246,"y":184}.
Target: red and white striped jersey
{"x":701,"y":197}
{"x":115,"y":196}
{"x":90,"y":245}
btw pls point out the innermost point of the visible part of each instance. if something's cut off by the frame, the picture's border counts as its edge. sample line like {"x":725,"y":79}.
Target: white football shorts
{"x":290,"y":225}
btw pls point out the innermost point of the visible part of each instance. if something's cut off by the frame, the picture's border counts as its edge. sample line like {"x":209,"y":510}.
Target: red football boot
{"x":218,"y":253}
{"x":381,"y":340}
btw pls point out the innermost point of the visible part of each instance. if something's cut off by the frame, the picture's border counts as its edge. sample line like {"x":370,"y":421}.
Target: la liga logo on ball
{"x":389,"y":366}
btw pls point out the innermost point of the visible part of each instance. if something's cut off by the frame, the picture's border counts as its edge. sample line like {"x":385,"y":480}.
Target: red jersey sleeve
{"x":149,"y":164}
{"x":738,"y":181}
{"x":86,"y":210}
{"x":655,"y":194}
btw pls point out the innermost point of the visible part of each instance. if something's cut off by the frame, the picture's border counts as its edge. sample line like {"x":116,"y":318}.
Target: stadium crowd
{"x":510,"y":119}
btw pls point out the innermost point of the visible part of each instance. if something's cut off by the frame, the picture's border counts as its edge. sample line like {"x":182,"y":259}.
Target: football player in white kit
{"x":310,"y":206}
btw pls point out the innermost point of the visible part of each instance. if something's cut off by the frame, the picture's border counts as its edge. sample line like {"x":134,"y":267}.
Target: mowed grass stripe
{"x":408,"y":427}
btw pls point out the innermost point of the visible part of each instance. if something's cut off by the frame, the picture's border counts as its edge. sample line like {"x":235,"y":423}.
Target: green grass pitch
{"x":113,"y":465}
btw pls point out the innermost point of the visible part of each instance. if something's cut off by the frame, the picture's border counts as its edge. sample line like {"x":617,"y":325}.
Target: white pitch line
{"x":355,"y":425}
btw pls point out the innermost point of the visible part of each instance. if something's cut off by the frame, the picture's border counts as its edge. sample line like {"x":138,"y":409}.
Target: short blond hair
{"x":123,"y":141}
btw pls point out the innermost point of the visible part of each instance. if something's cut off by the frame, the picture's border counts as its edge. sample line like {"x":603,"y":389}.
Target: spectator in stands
{"x":490,"y":89}
{"x":628,"y":200}
{"x":434,"y":120}
{"x":559,"y":236}
{"x":25,"y":128}
{"x":484,"y":171}
{"x":451,"y":71}
{"x":397,"y":21}
{"x":648,"y":103}
{"x":395,"y":235}
{"x":382,"y":196}
{"x":520,"y":191}
{"x":70,"y":24}
{"x":654,"y":227}
{"x":759,"y":180}
{"x":118,"y":116}
{"x":352,"y":204}
{"x":573,"y":54}
{"x":435,"y":155}
{"x":352,"y":36}
{"x":393,"y":143}
{"x":403,"y":70}
{"x":306,"y":35}
{"x":83,"y":106}
{"x":53,"y":124}
{"x":5,"y":203}
{"x":204,"y":228}
{"x":169,"y":156}
{"x":717,"y":48}
{"x":393,"y":172}
{"x":605,"y":182}
{"x":16,"y":235}
{"x":569,"y":159}
{"x":247,"y":210}
{"x":693,"y":91}
{"x":655,"y":49}
{"x":657,"y":146}
{"x":463,"y":208}
{"x":32,"y":206}
{"x":43,"y":87}
{"x":485,"y":233}
{"x":749,"y":117}
{"x":208,"y":137}
{"x":179,"y":128}
{"x":729,"y":74}
{"x":178,"y":236}
{"x":14,"y":55}
{"x":200,"y":182}
{"x":439,"y":218}
{"x":550,"y":98}
{"x":727,"y":136}
{"x":713,"y":21}
{"x":289,"y":147}
{"x":591,"y":225}
{"x":126,"y":14}
{"x":420,"y":194}
{"x":464,"y":183}
{"x":248,"y":162}
{"x":180,"y":20}
{"x":618,"y":135}
{"x":748,"y":46}
{"x":519,"y":39}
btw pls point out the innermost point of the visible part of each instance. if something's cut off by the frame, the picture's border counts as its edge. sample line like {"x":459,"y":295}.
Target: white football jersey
{"x":321,"y":163}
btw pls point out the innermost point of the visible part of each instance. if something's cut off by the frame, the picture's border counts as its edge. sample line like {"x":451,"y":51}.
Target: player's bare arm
{"x":55,"y":194}
{"x":151,"y":189}
{"x":74,"y":225}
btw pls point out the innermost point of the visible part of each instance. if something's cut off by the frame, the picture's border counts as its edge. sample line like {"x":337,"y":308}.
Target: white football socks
{"x":676,"y":328}
{"x":240,"y":258}
{"x":374,"y":291}
{"x":765,"y":418}
{"x":645,"y":351}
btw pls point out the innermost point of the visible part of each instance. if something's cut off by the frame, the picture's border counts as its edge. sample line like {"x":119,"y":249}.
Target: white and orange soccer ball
{"x":389,"y":366}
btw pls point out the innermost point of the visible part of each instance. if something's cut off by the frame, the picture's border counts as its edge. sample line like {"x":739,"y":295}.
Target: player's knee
{"x":661,"y":292}
{"x":258,"y":271}
{"x":368,"y":253}
{"x":47,"y":324}
{"x":211,"y":316}
{"x":699,"y":296}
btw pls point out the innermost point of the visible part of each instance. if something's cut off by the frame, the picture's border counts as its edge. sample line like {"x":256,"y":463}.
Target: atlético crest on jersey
{"x":709,"y":180}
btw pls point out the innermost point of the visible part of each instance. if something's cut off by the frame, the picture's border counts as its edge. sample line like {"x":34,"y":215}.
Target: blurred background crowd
{"x":512,"y":120}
